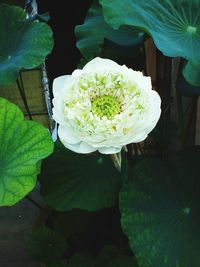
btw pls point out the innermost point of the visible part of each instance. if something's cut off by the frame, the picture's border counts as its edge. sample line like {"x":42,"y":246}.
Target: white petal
{"x":81,"y":147}
{"x":77,"y":73}
{"x":150,"y":120}
{"x":58,"y":116}
{"x":156,"y":105}
{"x":154,"y":112}
{"x":72,"y":142}
{"x":98,"y":64}
{"x":58,"y":84}
{"x":67,"y":134}
{"x":86,"y":148}
{"x":74,"y":148}
{"x":109,"y":150}
{"x":143,"y":82}
{"x":136,"y":138}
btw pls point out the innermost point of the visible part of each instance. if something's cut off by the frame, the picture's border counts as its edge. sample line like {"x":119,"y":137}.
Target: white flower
{"x":103,"y":107}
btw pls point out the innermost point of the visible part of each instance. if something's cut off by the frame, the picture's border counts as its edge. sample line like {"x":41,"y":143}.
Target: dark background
{"x":64,"y":16}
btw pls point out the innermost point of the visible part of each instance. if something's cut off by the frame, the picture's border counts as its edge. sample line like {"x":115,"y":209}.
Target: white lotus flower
{"x":103,"y":107}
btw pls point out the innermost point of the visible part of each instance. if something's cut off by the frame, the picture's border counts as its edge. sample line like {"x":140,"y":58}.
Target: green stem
{"x":180,"y":104}
{"x":179,"y":107}
{"x":116,"y":158}
{"x":190,"y":118}
{"x":144,"y":53}
{"x":32,"y":201}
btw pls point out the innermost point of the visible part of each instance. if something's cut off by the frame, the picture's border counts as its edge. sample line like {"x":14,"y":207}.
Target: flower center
{"x":106,"y":106}
{"x":191,"y":29}
{"x":186,"y":210}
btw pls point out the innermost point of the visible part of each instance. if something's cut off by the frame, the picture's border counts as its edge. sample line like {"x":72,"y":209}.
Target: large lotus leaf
{"x":173,"y":24}
{"x":70,"y":180}
{"x":62,"y":263}
{"x":24,"y":44}
{"x":95,"y":30}
{"x":191,"y":73}
{"x":111,"y":256}
{"x":72,"y":222}
{"x":160,"y":208}
{"x":46,"y":245}
{"x":82,"y":259}
{"x":110,"y":259}
{"x":108,"y":252}
{"x":22,"y":145}
{"x":185,"y":88}
{"x":122,"y":261}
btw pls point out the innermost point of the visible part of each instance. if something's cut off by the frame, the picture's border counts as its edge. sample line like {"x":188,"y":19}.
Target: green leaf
{"x":82,"y":259}
{"x":62,"y":263}
{"x":24,"y":44}
{"x":47,"y":246}
{"x":110,"y":256}
{"x":71,"y":222}
{"x":70,"y":180}
{"x":107,"y":253}
{"x":160,"y":209}
{"x":92,"y":34}
{"x":22,"y":145}
{"x":173,"y":25}
{"x":14,"y":2}
{"x":122,"y":261}
{"x":191,"y":72}
{"x":185,"y":88}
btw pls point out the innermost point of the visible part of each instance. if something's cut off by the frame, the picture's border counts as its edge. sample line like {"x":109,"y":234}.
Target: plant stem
{"x":145,"y":66}
{"x":180,"y":114}
{"x":179,"y":103}
{"x":190,"y":118}
{"x":116,"y":158}
{"x":36,"y":204}
{"x":23,"y":96}
{"x":135,"y":150}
